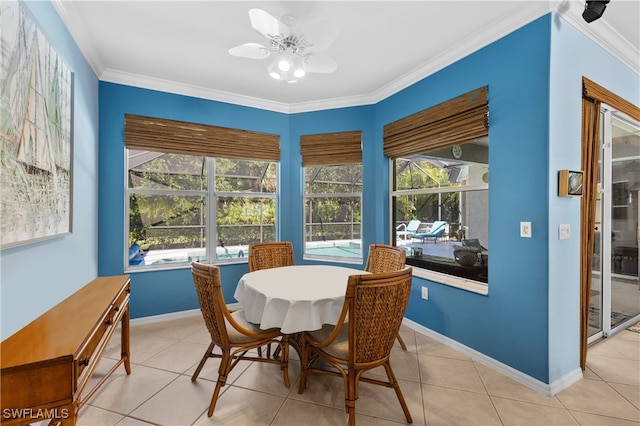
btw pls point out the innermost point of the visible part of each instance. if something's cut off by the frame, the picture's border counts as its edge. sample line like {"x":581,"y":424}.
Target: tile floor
{"x":441,"y":387}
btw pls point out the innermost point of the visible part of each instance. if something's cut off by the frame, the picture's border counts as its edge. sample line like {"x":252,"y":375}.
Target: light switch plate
{"x":564,"y":231}
{"x":525,"y":229}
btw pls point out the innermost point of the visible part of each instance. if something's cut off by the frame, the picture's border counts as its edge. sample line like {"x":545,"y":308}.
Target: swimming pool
{"x":350,"y":250}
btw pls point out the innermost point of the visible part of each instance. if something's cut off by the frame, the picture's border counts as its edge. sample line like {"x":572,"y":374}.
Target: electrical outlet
{"x":525,"y":229}
{"x":425,"y":293}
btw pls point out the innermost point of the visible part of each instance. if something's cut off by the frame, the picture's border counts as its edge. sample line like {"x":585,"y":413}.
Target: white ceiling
{"x":383,"y":46}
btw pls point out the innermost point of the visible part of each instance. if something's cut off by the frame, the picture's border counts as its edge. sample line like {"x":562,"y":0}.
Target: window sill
{"x":334,"y":259}
{"x":453,"y":281}
{"x":180,"y":265}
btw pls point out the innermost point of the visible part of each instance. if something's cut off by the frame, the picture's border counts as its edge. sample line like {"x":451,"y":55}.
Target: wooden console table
{"x":46,"y":365}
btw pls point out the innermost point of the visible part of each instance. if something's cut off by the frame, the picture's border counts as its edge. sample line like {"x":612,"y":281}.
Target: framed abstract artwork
{"x":36,"y":131}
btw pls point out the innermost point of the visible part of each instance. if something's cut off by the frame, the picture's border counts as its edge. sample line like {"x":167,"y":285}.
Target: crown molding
{"x":500,"y":27}
{"x":67,"y":12}
{"x":571,"y":11}
{"x":151,"y":83}
{"x":602,"y":34}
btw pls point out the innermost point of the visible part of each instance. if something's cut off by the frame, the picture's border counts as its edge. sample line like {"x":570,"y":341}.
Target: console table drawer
{"x":44,"y":379}
{"x":86,"y":357}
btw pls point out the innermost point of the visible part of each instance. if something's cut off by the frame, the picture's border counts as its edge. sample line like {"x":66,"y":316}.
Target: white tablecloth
{"x":294,"y":298}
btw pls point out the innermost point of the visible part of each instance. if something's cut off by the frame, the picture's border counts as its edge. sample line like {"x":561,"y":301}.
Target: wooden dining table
{"x":294,"y":298}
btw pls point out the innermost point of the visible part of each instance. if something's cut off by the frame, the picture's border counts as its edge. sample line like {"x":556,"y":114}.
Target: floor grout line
{"x":422,"y":381}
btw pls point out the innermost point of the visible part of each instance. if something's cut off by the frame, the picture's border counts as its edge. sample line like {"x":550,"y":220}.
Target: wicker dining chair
{"x":363,"y":337}
{"x":267,"y":255}
{"x":386,"y":258}
{"x":230,"y":331}
{"x":271,"y":254}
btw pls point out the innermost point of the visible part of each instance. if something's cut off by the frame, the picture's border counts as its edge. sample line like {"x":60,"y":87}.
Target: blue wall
{"x":36,"y":277}
{"x":159,"y":292}
{"x":529,"y":319}
{"x":510,"y":324}
{"x":516,"y":69}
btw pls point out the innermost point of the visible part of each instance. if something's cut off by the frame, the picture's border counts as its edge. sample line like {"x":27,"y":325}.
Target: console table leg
{"x":125,"y":344}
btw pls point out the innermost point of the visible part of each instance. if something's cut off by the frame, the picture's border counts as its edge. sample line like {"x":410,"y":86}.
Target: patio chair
{"x":374,"y":305}
{"x":437,"y":231}
{"x":386,"y":258}
{"x":272,"y":254}
{"x":410,"y":229}
{"x":230,"y":331}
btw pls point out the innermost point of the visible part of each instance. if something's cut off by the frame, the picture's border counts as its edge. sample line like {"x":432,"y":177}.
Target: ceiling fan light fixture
{"x":291,"y":72}
{"x":289,"y":52}
{"x":284,"y":64}
{"x":274,"y":72}
{"x":298,"y":70}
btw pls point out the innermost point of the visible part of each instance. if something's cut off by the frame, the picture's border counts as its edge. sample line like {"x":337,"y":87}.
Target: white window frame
{"x":307,"y":196}
{"x":428,"y":274}
{"x":211,"y":215}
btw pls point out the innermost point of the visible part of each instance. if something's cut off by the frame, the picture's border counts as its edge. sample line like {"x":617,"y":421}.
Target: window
{"x":333,"y":196}
{"x":428,"y":189}
{"x":440,"y":189}
{"x":188,"y":200}
{"x":173,"y":211}
{"x":333,"y":212}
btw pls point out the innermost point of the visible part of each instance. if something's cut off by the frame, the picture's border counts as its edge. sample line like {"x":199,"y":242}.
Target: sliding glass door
{"x":615,"y":291}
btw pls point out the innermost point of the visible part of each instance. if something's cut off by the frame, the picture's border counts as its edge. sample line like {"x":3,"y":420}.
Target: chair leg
{"x":225,"y":366}
{"x":276,"y":351}
{"x":284,"y":360}
{"x":351,"y":396}
{"x":204,"y":359}
{"x":304,"y":365}
{"x":401,"y":342}
{"x":396,"y":387}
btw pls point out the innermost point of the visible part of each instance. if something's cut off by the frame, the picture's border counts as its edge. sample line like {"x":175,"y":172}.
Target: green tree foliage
{"x":336,"y":217}
{"x":162,"y":220}
{"x":420,"y":173}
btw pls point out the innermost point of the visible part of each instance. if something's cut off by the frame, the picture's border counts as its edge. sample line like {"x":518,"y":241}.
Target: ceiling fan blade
{"x":321,"y":34}
{"x":320,"y":63}
{"x":266,"y":24}
{"x":250,"y":50}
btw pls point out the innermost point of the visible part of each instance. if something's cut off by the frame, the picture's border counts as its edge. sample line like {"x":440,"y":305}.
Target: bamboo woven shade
{"x":179,"y":137}
{"x":331,"y":148}
{"x":452,"y":122}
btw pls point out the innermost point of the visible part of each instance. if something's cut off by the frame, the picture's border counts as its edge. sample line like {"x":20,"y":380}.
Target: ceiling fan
{"x":294,"y":52}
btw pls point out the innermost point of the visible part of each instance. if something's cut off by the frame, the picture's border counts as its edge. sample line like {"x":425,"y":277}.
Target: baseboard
{"x":165,"y":317}
{"x":533,"y":383}
{"x":173,"y":315}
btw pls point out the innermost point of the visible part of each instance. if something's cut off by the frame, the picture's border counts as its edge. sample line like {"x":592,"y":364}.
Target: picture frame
{"x":36,"y":173}
{"x":570,"y":183}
